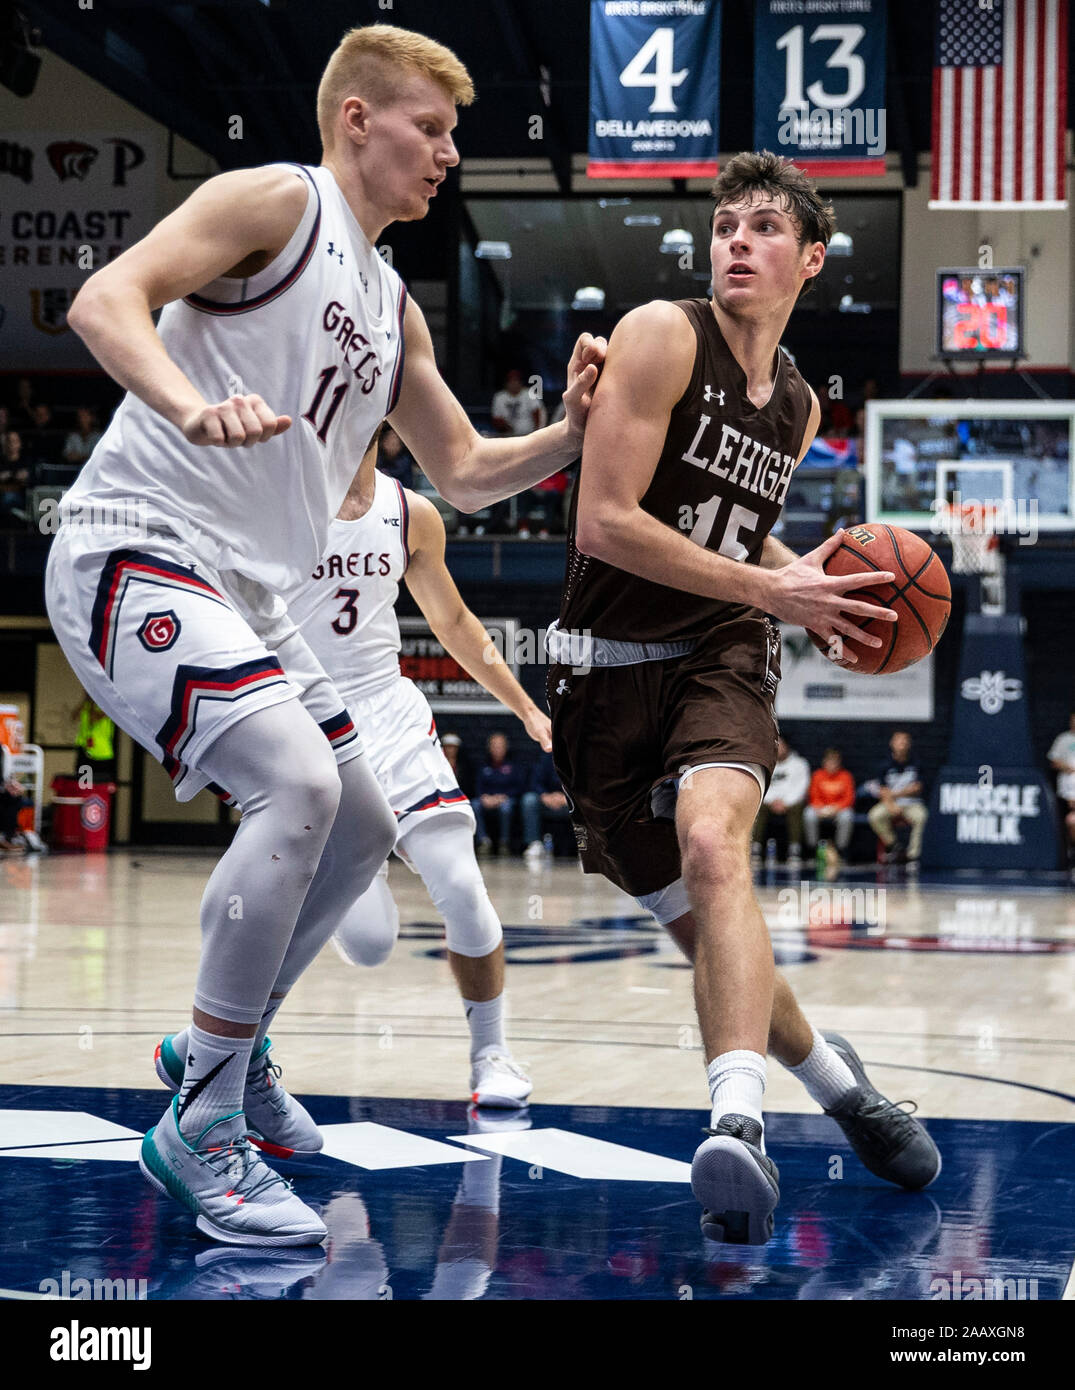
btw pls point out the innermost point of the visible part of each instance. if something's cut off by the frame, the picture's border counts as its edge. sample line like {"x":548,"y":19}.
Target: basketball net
{"x":972,"y":529}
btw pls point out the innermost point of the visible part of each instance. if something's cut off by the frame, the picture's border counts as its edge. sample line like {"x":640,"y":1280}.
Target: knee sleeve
{"x":370,"y":926}
{"x":442,"y":851}
{"x":667,"y":904}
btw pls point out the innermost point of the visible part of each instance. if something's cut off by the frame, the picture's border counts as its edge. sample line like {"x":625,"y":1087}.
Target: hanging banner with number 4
{"x":654,"y":85}
{"x":819,"y":83}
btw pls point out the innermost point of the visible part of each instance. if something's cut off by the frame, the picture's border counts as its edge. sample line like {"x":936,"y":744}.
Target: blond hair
{"x":366,"y":61}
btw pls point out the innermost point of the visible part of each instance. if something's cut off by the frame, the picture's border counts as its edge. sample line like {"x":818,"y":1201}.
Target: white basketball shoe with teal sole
{"x":235,"y":1197}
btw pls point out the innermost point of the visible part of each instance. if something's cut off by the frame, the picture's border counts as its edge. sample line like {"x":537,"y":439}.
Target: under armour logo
{"x":712,"y":395}
{"x":991,"y":689}
{"x":562,"y":688}
{"x":365,"y":282}
{"x":333,"y":252}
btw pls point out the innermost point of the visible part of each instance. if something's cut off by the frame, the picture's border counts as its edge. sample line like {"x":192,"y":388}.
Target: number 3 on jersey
{"x":740,"y":521}
{"x":334,"y":404}
{"x":347,"y":619}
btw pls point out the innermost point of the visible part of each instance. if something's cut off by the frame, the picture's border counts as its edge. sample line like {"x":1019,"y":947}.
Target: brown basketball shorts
{"x":623,"y":733}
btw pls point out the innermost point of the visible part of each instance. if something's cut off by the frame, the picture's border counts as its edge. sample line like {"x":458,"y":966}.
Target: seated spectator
{"x":545,"y":799}
{"x":83,"y":439}
{"x":452,"y":748}
{"x":12,"y":799}
{"x":393,"y":458}
{"x":831,"y":804}
{"x":498,"y":789}
{"x":786,"y":797}
{"x":14,"y":473}
{"x":22,"y":412}
{"x":898,"y":787}
{"x":1061,"y":757}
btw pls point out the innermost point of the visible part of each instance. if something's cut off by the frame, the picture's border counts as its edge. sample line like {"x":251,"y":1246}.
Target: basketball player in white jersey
{"x":346,"y":612}
{"x":284,"y":340}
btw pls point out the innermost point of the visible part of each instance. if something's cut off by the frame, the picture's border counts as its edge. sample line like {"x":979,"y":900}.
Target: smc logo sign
{"x":159,"y":631}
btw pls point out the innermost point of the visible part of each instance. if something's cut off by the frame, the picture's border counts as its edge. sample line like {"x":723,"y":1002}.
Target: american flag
{"x":999,"y":104}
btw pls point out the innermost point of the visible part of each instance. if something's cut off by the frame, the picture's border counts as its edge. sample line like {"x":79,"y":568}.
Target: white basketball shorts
{"x":400,"y":737}
{"x":176,"y":653}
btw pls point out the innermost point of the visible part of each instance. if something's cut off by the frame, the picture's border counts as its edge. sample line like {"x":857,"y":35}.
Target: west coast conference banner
{"x":654,"y":87}
{"x":70,"y":200}
{"x":811,"y":687}
{"x":819,"y":83}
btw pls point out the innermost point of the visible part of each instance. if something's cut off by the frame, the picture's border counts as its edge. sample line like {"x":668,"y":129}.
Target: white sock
{"x":485,"y":1019}
{"x":213,"y":1081}
{"x":824,"y":1073}
{"x":736,"y":1085}
{"x":180,"y":1040}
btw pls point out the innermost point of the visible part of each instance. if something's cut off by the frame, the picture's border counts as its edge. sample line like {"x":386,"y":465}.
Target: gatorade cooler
{"x":81,"y":816}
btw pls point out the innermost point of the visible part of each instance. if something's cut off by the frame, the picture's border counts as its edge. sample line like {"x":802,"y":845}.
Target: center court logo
{"x":991,"y":689}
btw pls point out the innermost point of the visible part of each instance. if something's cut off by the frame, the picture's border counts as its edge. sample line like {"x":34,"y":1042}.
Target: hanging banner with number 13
{"x":654,"y":84}
{"x":819,"y":83}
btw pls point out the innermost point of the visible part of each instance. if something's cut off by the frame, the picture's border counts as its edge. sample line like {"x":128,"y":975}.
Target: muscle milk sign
{"x":992,"y":807}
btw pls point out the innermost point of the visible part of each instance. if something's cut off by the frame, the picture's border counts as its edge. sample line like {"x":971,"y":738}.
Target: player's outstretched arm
{"x":456,"y":627}
{"x":467,"y":470}
{"x":247,"y":216}
{"x":648,"y":368}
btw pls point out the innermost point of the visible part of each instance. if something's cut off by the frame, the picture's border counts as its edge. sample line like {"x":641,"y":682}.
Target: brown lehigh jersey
{"x":721,"y":479}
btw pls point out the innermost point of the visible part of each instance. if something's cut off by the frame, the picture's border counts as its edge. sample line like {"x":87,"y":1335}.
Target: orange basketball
{"x":921,"y":595}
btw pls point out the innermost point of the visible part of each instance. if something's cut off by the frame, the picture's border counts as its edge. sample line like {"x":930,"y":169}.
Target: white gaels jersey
{"x":346,"y":609}
{"x":319,"y":335}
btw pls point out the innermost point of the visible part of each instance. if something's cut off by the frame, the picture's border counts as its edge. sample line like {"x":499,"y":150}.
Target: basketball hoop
{"x":972,"y":529}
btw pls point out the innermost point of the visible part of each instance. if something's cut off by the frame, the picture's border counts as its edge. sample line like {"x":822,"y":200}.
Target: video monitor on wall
{"x":980,"y":312}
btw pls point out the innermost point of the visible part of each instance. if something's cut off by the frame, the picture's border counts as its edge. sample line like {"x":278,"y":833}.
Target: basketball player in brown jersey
{"x":666,"y":666}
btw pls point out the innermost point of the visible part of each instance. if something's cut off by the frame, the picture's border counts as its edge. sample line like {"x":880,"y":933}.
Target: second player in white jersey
{"x":346,"y":611}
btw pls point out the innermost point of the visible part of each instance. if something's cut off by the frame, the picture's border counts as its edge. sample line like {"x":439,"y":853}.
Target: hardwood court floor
{"x":957,"y":995}
{"x":962,"y":997}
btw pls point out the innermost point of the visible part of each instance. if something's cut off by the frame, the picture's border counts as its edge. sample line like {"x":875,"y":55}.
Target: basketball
{"x":921,"y":596}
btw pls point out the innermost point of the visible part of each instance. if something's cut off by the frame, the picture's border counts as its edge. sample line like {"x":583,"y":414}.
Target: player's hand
{"x":539,"y":726}
{"x":238,"y":422}
{"x":582,"y":373}
{"x":803,"y":593}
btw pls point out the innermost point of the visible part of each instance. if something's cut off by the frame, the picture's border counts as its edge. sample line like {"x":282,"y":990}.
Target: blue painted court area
{"x":561,"y":1202}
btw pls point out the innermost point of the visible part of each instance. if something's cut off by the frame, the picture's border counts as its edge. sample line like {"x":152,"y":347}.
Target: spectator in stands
{"x":393,"y":458}
{"x":453,"y":750}
{"x":12,"y":799}
{"x":898,"y":787}
{"x":82,"y":440}
{"x":14,"y":472}
{"x":22,"y":412}
{"x":1061,"y":757}
{"x":831,"y":805}
{"x":42,"y":439}
{"x":544,"y":800}
{"x":500,"y":784}
{"x":95,"y":747}
{"x":515,"y":410}
{"x":786,"y":797}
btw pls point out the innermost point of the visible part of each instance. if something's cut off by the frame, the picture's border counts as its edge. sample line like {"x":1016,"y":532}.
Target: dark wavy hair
{"x":762,"y":174}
